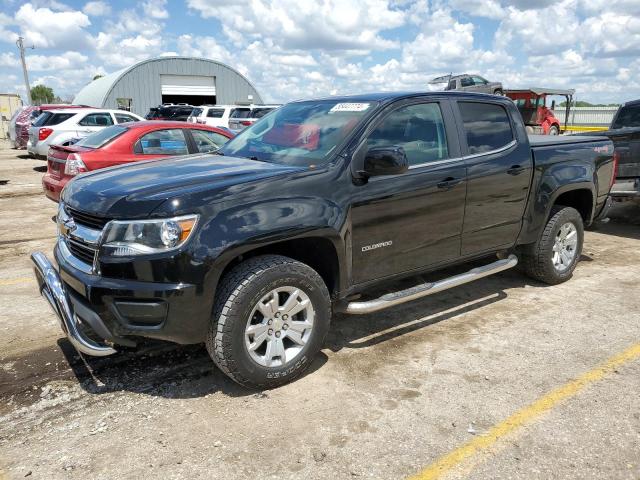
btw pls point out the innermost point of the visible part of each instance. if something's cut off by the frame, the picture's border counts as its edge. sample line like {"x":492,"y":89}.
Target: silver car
{"x":469,"y":83}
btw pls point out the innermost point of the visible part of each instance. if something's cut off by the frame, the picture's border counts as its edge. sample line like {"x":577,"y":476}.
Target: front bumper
{"x":118,"y":310}
{"x":53,"y":290}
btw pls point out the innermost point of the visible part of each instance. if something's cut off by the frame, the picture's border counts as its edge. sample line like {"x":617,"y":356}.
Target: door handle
{"x":515,"y":170}
{"x":448,"y":183}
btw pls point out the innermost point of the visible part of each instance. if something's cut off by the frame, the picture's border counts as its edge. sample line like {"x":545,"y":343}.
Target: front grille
{"x":81,"y":250}
{"x":87,"y":219}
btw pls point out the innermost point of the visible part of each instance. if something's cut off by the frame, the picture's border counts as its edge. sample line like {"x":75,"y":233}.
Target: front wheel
{"x":498,"y":92}
{"x":270,"y":319}
{"x":553,"y":258}
{"x":554,"y":130}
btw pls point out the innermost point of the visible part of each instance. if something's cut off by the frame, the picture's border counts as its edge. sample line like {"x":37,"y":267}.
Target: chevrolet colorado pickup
{"x":250,"y":249}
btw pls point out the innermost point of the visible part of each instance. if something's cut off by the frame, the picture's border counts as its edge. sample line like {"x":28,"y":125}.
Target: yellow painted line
{"x":15,"y":281}
{"x":527,"y":415}
{"x":584,"y":128}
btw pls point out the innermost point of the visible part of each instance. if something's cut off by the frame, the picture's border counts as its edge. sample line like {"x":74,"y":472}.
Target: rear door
{"x":499,"y":169}
{"x":408,"y":221}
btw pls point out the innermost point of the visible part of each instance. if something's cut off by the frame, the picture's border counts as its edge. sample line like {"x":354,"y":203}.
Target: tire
{"x":498,"y":92}
{"x":250,"y":359}
{"x":538,"y":259}
{"x":554,"y":130}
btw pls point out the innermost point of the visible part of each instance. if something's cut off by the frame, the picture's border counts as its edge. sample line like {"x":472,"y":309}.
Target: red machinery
{"x":538,"y":118}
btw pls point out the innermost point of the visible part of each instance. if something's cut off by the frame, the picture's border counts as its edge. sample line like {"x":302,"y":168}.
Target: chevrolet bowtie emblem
{"x":68,"y":226}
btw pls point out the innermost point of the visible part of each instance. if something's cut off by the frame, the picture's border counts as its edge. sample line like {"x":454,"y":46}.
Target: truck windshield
{"x":299,"y":133}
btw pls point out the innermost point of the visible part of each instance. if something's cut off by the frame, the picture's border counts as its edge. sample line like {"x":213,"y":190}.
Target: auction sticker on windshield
{"x":349,"y":107}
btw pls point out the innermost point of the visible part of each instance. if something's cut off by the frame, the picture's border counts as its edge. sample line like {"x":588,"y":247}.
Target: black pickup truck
{"x":624,"y":131}
{"x":251,"y":249}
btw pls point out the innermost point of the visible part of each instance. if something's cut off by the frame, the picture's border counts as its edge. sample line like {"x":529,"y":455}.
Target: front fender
{"x":240,"y":229}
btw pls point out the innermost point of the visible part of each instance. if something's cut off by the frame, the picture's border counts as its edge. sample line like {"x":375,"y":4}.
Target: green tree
{"x":41,"y":94}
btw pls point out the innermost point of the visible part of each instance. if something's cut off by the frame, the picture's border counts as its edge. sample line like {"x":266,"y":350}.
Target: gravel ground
{"x":390,"y":393}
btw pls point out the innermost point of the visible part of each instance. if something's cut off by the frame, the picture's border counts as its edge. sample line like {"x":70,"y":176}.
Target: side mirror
{"x":385,"y":161}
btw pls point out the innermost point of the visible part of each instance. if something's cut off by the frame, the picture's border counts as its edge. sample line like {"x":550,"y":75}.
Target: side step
{"x":419,"y":291}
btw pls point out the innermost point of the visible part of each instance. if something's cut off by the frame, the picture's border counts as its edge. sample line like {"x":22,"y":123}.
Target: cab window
{"x":418,"y":129}
{"x":162,"y":142}
{"x":487,"y":126}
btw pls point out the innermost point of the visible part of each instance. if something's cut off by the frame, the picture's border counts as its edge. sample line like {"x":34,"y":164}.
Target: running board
{"x":419,"y":291}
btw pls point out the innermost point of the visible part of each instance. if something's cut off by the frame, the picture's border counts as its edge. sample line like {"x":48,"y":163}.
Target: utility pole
{"x":24,"y":69}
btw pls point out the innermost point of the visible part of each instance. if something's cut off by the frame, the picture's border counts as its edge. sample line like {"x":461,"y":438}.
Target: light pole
{"x":24,"y":69}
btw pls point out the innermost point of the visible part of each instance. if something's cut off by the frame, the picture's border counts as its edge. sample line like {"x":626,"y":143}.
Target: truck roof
{"x":391,"y":96}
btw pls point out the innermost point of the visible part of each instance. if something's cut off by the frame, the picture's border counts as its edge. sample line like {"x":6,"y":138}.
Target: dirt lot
{"x":391,"y":393}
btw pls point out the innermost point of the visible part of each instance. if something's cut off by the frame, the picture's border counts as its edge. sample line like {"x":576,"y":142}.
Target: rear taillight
{"x":246,"y":123}
{"x":43,"y":133}
{"x":614,"y":172}
{"x":74,"y":165}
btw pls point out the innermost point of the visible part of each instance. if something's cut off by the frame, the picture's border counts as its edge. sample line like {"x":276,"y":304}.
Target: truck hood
{"x":135,"y":190}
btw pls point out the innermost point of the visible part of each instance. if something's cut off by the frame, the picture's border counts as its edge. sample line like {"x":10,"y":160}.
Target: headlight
{"x":142,"y":237}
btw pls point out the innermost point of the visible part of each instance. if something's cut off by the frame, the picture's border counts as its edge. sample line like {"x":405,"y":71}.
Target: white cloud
{"x":97,"y":9}
{"x":46,"y":28}
{"x":8,"y":59}
{"x":66,"y":61}
{"x":330,"y":25}
{"x":156,"y":9}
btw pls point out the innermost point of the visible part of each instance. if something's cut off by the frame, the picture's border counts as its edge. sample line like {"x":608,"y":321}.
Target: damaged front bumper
{"x":53,"y":289}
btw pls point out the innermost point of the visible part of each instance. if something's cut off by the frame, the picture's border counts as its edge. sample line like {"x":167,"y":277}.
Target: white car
{"x":215,"y":115}
{"x":60,"y":127}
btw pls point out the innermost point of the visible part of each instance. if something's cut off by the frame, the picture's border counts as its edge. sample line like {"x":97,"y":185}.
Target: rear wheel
{"x":554,"y":130}
{"x":270,"y":319}
{"x":553,"y":258}
{"x":498,"y":92}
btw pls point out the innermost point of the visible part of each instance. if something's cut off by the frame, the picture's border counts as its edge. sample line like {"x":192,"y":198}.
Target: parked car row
{"x":66,"y":126}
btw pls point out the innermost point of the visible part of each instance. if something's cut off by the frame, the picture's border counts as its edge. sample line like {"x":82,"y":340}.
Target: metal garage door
{"x":188,"y":85}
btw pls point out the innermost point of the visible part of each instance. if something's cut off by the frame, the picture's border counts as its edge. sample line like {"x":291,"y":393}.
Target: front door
{"x":412,"y":220}
{"x":499,"y":170}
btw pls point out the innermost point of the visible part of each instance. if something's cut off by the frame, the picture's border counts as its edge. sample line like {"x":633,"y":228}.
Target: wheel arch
{"x":319,"y":251}
{"x":580,"y":198}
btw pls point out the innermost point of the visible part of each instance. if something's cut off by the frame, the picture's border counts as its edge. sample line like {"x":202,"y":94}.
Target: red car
{"x":126,"y":143}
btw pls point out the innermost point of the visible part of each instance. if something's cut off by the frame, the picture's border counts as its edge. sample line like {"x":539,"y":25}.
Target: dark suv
{"x":176,"y":113}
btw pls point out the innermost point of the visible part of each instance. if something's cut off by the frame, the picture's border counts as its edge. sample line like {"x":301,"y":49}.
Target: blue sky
{"x":292,"y":49}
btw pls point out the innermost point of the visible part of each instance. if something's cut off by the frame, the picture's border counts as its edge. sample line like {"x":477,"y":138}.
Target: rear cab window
{"x":487,"y":126}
